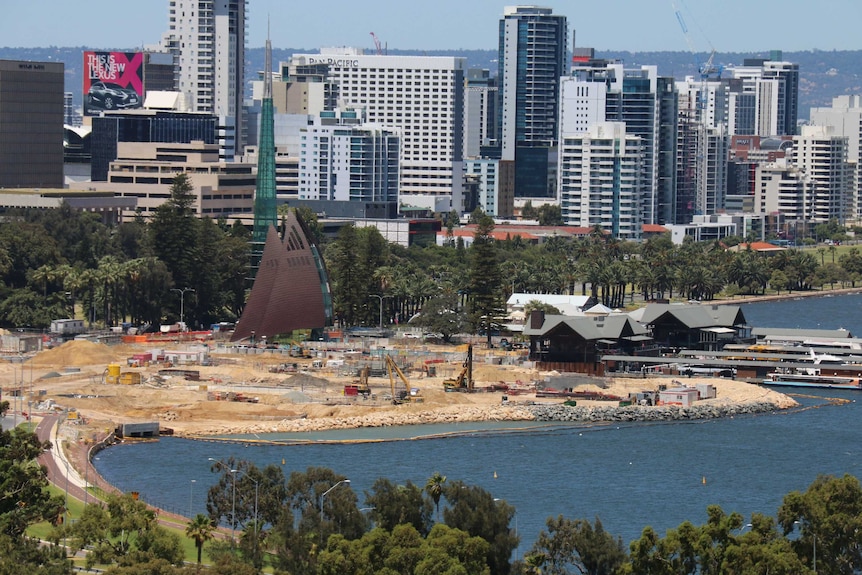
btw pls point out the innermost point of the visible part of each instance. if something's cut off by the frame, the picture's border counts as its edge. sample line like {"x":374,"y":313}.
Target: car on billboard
{"x":110,"y":96}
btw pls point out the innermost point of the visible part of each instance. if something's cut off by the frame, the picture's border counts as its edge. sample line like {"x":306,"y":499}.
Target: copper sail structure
{"x":291,"y":290}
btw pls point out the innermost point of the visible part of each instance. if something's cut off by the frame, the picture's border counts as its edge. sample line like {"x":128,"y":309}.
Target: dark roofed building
{"x":291,"y":288}
{"x":706,"y":327}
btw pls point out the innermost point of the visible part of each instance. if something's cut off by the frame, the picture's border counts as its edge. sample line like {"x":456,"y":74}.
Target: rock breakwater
{"x":634,"y":413}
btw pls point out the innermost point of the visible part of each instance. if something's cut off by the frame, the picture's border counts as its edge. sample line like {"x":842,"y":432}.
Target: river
{"x":629,"y":476}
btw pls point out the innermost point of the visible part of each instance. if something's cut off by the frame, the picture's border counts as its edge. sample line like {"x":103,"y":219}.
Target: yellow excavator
{"x":464,"y":380}
{"x":359,"y":386}
{"x":406,"y":395}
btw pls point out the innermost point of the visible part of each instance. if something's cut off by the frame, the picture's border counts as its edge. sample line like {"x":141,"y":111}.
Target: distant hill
{"x":823,"y":74}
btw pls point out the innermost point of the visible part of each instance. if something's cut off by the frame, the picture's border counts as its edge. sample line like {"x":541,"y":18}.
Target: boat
{"x":808,"y":380}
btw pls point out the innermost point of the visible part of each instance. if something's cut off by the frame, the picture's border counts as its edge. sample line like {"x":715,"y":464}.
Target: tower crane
{"x":377,"y":44}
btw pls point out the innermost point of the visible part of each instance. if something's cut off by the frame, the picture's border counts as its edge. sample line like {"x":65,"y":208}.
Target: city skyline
{"x":644,"y":25}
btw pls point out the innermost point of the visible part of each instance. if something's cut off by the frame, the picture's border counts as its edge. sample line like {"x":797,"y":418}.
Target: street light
{"x":380,"y":297}
{"x":256,"y":490}
{"x":191,"y":490}
{"x":325,"y":493}
{"x":182,"y":293}
{"x":233,"y":498}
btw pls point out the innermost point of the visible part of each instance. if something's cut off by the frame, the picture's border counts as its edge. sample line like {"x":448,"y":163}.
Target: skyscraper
{"x":531,"y":60}
{"x":207,"y":39}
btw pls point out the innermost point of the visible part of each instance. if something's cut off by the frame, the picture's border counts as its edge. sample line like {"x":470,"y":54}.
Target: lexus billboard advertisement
{"x":113,"y":81}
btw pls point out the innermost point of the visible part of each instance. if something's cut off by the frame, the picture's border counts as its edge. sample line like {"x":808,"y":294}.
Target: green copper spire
{"x":265,"y":209}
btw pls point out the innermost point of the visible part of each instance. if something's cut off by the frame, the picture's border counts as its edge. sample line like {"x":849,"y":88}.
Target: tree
{"x":441,"y":315}
{"x":828,"y":515}
{"x":173,"y":233}
{"x":485,"y":305}
{"x":200,"y":530}
{"x":123,"y":531}
{"x":473,"y":510}
{"x":550,"y":215}
{"x":578,"y":544}
{"x":434,"y":488}
{"x":393,"y":505}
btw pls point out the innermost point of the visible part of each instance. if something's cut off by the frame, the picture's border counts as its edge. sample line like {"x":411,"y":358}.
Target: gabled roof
{"x":693,"y":316}
{"x":589,"y":328}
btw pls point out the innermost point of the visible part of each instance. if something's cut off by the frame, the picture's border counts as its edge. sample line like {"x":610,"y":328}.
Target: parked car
{"x":110,"y":96}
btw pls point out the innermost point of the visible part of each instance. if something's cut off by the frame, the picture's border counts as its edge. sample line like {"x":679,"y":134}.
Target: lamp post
{"x":182,"y":293}
{"x":325,"y":493}
{"x":380,"y":297}
{"x":191,"y":490}
{"x":233,"y":498}
{"x":256,"y":491}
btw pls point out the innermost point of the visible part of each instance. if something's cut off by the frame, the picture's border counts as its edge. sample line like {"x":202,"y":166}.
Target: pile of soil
{"x":76,"y":353}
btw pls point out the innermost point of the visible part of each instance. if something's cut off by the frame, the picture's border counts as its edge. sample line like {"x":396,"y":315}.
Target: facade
{"x":601,"y":179}
{"x":207,"y":39}
{"x":531,"y":60}
{"x":31,"y":124}
{"x":422,"y":97}
{"x":145,"y":126}
{"x":480,"y":112}
{"x":494,"y":188}
{"x":702,"y":142}
{"x":845,"y":117}
{"x":601,"y":90}
{"x":821,"y":155}
{"x":146,"y":171}
{"x":348,"y":163}
{"x":772,"y":89}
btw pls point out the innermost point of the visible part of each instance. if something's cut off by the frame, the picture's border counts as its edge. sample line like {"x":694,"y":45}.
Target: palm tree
{"x":200,"y":529}
{"x":434,"y":488}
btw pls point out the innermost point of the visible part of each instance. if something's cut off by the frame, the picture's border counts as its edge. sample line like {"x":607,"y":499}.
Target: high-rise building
{"x":845,"y":117}
{"x":422,"y":97}
{"x":531,"y":60}
{"x":348,"y":163}
{"x":821,"y":154}
{"x":770,"y":89}
{"x":601,"y":179}
{"x":207,"y":39}
{"x":480,"y":116}
{"x":31,"y":124}
{"x":601,"y":90}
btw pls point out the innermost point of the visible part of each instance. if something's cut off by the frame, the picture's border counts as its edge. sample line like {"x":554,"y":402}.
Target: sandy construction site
{"x":240,"y":394}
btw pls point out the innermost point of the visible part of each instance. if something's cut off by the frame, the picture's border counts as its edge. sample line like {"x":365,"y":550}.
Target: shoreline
{"x":741,"y":299}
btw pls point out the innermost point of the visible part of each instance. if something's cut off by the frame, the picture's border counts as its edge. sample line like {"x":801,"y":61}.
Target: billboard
{"x":113,"y":81}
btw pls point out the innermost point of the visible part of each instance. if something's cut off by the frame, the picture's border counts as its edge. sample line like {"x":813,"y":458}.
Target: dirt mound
{"x":77,"y":353}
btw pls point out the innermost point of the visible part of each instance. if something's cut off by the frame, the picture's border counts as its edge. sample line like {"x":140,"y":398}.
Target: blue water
{"x":629,"y":476}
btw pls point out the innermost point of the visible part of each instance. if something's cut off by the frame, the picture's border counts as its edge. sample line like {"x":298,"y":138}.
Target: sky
{"x":615,"y":25}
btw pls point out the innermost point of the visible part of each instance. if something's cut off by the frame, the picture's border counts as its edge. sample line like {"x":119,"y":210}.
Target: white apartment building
{"x":420,"y":96}
{"x":822,"y":155}
{"x":601,"y":180}
{"x":780,"y":187}
{"x":845,"y":117}
{"x":207,"y":39}
{"x":348,"y":163}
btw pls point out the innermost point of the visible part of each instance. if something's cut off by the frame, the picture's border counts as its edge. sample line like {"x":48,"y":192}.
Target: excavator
{"x":464,"y":380}
{"x":399,"y":395}
{"x":296,"y":350}
{"x":359,"y":386}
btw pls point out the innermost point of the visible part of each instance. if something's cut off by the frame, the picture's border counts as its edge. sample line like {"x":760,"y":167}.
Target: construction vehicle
{"x":359,"y":386}
{"x":406,"y":395}
{"x":464,"y":380}
{"x":296,"y":350}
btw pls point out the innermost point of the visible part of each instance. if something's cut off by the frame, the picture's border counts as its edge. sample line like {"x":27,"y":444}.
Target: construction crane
{"x":377,"y":44}
{"x":399,"y":395}
{"x":464,"y":380}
